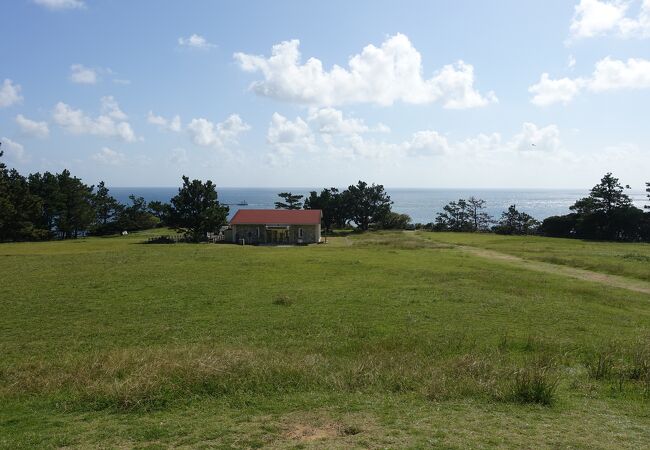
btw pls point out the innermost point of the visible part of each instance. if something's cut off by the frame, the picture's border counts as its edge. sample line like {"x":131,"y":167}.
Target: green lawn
{"x":375,"y":340}
{"x":618,"y":258}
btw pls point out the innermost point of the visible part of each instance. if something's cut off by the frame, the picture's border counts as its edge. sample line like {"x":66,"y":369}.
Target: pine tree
{"x":291,"y":201}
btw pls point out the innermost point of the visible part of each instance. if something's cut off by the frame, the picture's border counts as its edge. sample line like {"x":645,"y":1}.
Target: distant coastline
{"x":419,"y":203}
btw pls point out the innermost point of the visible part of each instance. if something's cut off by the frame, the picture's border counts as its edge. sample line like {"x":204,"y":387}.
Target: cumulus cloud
{"x":208,"y":134}
{"x":285,"y":135}
{"x":599,"y":17}
{"x":548,"y":91}
{"x":427,"y":143}
{"x":329,"y":132}
{"x":9,"y":93}
{"x":173,"y":124}
{"x":81,"y":74}
{"x":109,"y":157}
{"x":13,"y":150}
{"x":381,"y":75}
{"x":534,"y":138}
{"x":31,"y":127}
{"x":61,"y":4}
{"x":110,"y":123}
{"x":195,"y":41}
{"x":608,"y":75}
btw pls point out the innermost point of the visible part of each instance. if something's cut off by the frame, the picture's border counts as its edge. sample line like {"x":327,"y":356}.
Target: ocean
{"x":421,"y":204}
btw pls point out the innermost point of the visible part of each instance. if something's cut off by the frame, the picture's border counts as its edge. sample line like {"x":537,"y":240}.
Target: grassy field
{"x":631,"y":260}
{"x":375,"y":340}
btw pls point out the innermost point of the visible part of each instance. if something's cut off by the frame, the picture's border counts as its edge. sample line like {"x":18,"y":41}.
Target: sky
{"x":471,"y":94}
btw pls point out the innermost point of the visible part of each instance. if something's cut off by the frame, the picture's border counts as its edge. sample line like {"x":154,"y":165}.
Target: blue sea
{"x":421,"y":204}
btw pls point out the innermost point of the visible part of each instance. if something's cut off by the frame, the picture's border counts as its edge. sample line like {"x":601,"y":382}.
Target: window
{"x":300,"y":233}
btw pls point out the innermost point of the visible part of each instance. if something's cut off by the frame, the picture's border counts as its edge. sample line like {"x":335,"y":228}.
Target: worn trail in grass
{"x":574,"y":272}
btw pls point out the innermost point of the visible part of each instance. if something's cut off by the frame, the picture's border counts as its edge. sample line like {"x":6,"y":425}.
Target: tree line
{"x":58,"y":205}
{"x":607,"y":213}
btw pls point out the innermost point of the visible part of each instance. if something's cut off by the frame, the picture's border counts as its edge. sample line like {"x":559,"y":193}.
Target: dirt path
{"x":582,"y":274}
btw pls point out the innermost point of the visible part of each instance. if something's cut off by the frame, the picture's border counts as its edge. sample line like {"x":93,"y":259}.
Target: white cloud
{"x":612,"y":74}
{"x":109,"y":157}
{"x":31,"y":127}
{"x":208,"y":134}
{"x":427,"y":143}
{"x":173,"y":124}
{"x":286,"y":136}
{"x":81,"y":74}
{"x":112,"y":109}
{"x":13,"y":150}
{"x":9,"y":93}
{"x":179,"y":156}
{"x":195,"y":41}
{"x":549,"y":91}
{"x":382,"y":75}
{"x":609,"y":75}
{"x":61,"y":4}
{"x":597,"y":17}
{"x":111,"y":123}
{"x":534,"y":138}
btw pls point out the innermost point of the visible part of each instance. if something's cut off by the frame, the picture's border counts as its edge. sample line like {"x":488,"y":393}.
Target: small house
{"x":276,"y":226}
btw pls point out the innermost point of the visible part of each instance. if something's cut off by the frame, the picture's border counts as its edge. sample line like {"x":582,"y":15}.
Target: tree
{"x":366,"y":204}
{"x":136,"y":216}
{"x":107,"y":210}
{"x":46,"y":187}
{"x":160,"y":210}
{"x":77,"y":212}
{"x":195,"y":210}
{"x":291,"y":201}
{"x":605,"y":197}
{"x":330,"y":202}
{"x":647,"y":189}
{"x":515,"y":222}
{"x":480,"y":220}
{"x":455,"y":216}
{"x":603,"y":214}
{"x":19,"y":208}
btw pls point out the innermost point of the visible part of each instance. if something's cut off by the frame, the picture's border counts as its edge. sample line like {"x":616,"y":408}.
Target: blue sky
{"x":407,"y":94}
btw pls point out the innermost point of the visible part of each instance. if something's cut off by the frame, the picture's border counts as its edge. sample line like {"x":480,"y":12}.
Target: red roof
{"x":277,"y":217}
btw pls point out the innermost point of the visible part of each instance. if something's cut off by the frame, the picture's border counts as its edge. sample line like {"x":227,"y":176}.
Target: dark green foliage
{"x":76,"y":212}
{"x":559,"y":226}
{"x":291,"y":201}
{"x":136,"y":216}
{"x":516,"y":222}
{"x":606,"y":214}
{"x":366,"y":204}
{"x":395,"y":221}
{"x":19,"y":208}
{"x":196,"y":211}
{"x":331,"y":202}
{"x":464,"y":215}
{"x":160,"y":210}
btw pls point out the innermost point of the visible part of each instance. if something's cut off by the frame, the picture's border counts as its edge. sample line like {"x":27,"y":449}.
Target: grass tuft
{"x":533,"y":384}
{"x":283,"y":300}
